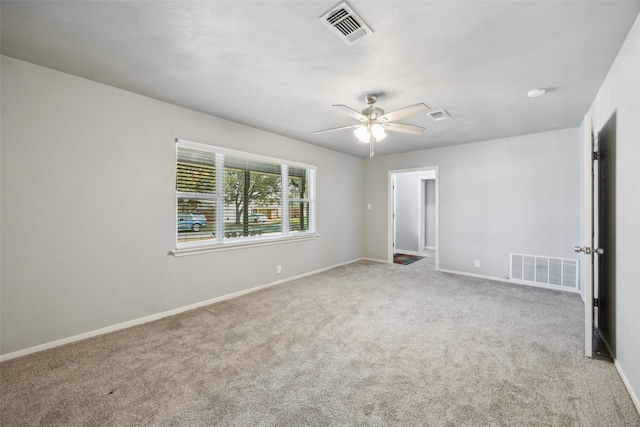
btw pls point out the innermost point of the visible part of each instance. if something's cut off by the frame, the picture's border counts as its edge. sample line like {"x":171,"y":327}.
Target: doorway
{"x":413,"y":213}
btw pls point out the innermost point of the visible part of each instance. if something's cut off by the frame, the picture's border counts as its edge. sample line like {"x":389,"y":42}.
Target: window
{"x":225,"y":196}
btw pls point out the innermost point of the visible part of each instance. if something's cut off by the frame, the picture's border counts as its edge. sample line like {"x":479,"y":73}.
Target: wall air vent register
{"x":558,"y":273}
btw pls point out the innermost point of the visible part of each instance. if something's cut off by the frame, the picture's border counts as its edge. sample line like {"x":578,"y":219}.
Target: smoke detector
{"x":535,"y":93}
{"x":344,"y":23}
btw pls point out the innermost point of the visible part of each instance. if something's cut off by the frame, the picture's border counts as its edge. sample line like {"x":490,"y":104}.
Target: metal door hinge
{"x":595,"y":302}
{"x":595,"y":155}
{"x":586,"y":250}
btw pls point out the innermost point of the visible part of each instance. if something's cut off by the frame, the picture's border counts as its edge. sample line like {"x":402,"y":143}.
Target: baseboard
{"x":403,"y":251}
{"x":158,"y":316}
{"x":512,"y":281}
{"x":627,"y":384}
{"x":384,"y":261}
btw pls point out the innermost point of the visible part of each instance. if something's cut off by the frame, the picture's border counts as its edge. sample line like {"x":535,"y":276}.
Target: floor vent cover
{"x":545,"y":270}
{"x":344,"y":22}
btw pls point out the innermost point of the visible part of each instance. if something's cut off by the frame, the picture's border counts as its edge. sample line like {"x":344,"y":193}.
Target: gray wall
{"x":430,"y":213}
{"x":620,"y":94}
{"x":88,"y":208}
{"x":517,"y":194}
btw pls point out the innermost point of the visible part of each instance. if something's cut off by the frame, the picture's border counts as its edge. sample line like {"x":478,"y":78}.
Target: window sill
{"x":201,"y":249}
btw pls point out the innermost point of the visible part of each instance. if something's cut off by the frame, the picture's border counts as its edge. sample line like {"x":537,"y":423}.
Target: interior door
{"x":588,"y":235}
{"x":606,"y":235}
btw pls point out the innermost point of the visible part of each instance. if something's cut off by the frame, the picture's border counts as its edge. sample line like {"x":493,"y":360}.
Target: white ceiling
{"x":273,"y":65}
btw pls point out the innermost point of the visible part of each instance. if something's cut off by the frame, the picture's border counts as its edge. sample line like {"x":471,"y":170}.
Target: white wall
{"x":88,"y":208}
{"x":517,"y":194}
{"x":620,"y":95}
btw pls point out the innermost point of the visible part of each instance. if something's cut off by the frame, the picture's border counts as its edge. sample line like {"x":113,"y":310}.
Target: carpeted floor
{"x":366,"y":344}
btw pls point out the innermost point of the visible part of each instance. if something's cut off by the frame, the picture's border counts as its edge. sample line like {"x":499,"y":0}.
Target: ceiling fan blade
{"x":401,"y":127}
{"x":340,"y":128}
{"x":402,"y":113}
{"x":350,"y":111}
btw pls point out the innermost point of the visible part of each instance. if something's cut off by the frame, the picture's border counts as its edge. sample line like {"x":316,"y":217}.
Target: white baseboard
{"x":157,"y":316}
{"x":627,"y":384}
{"x":384,"y":261}
{"x":512,"y":281}
{"x":406,"y":252}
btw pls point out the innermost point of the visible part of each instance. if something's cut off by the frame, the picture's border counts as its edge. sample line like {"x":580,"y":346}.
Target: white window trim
{"x":249,"y":241}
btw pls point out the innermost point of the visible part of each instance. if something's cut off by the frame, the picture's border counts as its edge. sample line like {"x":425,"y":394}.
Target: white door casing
{"x":392,"y":214}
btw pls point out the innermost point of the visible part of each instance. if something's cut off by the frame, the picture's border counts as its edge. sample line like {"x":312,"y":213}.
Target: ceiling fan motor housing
{"x":372,"y":113}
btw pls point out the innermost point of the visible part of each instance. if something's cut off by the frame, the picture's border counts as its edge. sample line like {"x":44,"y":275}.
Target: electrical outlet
{"x":476,"y":263}
{"x":279,"y":269}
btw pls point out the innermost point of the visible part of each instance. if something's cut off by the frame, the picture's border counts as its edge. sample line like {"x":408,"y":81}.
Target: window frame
{"x":220,"y":242}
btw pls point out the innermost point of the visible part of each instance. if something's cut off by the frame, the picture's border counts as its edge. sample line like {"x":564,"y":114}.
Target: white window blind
{"x":225,"y":196}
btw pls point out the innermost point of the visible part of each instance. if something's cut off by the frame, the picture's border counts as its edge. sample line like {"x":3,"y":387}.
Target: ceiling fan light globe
{"x":362,"y":133}
{"x":378,"y":132}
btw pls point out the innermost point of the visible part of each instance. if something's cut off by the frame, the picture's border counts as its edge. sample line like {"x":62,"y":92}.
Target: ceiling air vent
{"x":439,"y":115}
{"x":344,"y":22}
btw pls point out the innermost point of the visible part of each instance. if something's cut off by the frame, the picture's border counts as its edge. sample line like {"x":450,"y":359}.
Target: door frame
{"x":391,"y":200}
{"x":422,"y":226}
{"x":393,"y":214}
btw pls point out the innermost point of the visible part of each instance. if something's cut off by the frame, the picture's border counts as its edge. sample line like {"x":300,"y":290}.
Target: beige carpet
{"x":364,"y":344}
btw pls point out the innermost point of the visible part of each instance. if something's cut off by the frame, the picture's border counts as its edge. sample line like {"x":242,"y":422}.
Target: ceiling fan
{"x":374,"y":121}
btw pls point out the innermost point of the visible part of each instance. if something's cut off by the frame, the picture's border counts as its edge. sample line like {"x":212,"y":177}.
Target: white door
{"x":590,"y":279}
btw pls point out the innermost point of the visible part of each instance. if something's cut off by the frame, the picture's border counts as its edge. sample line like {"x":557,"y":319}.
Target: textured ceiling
{"x":273,"y":65}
